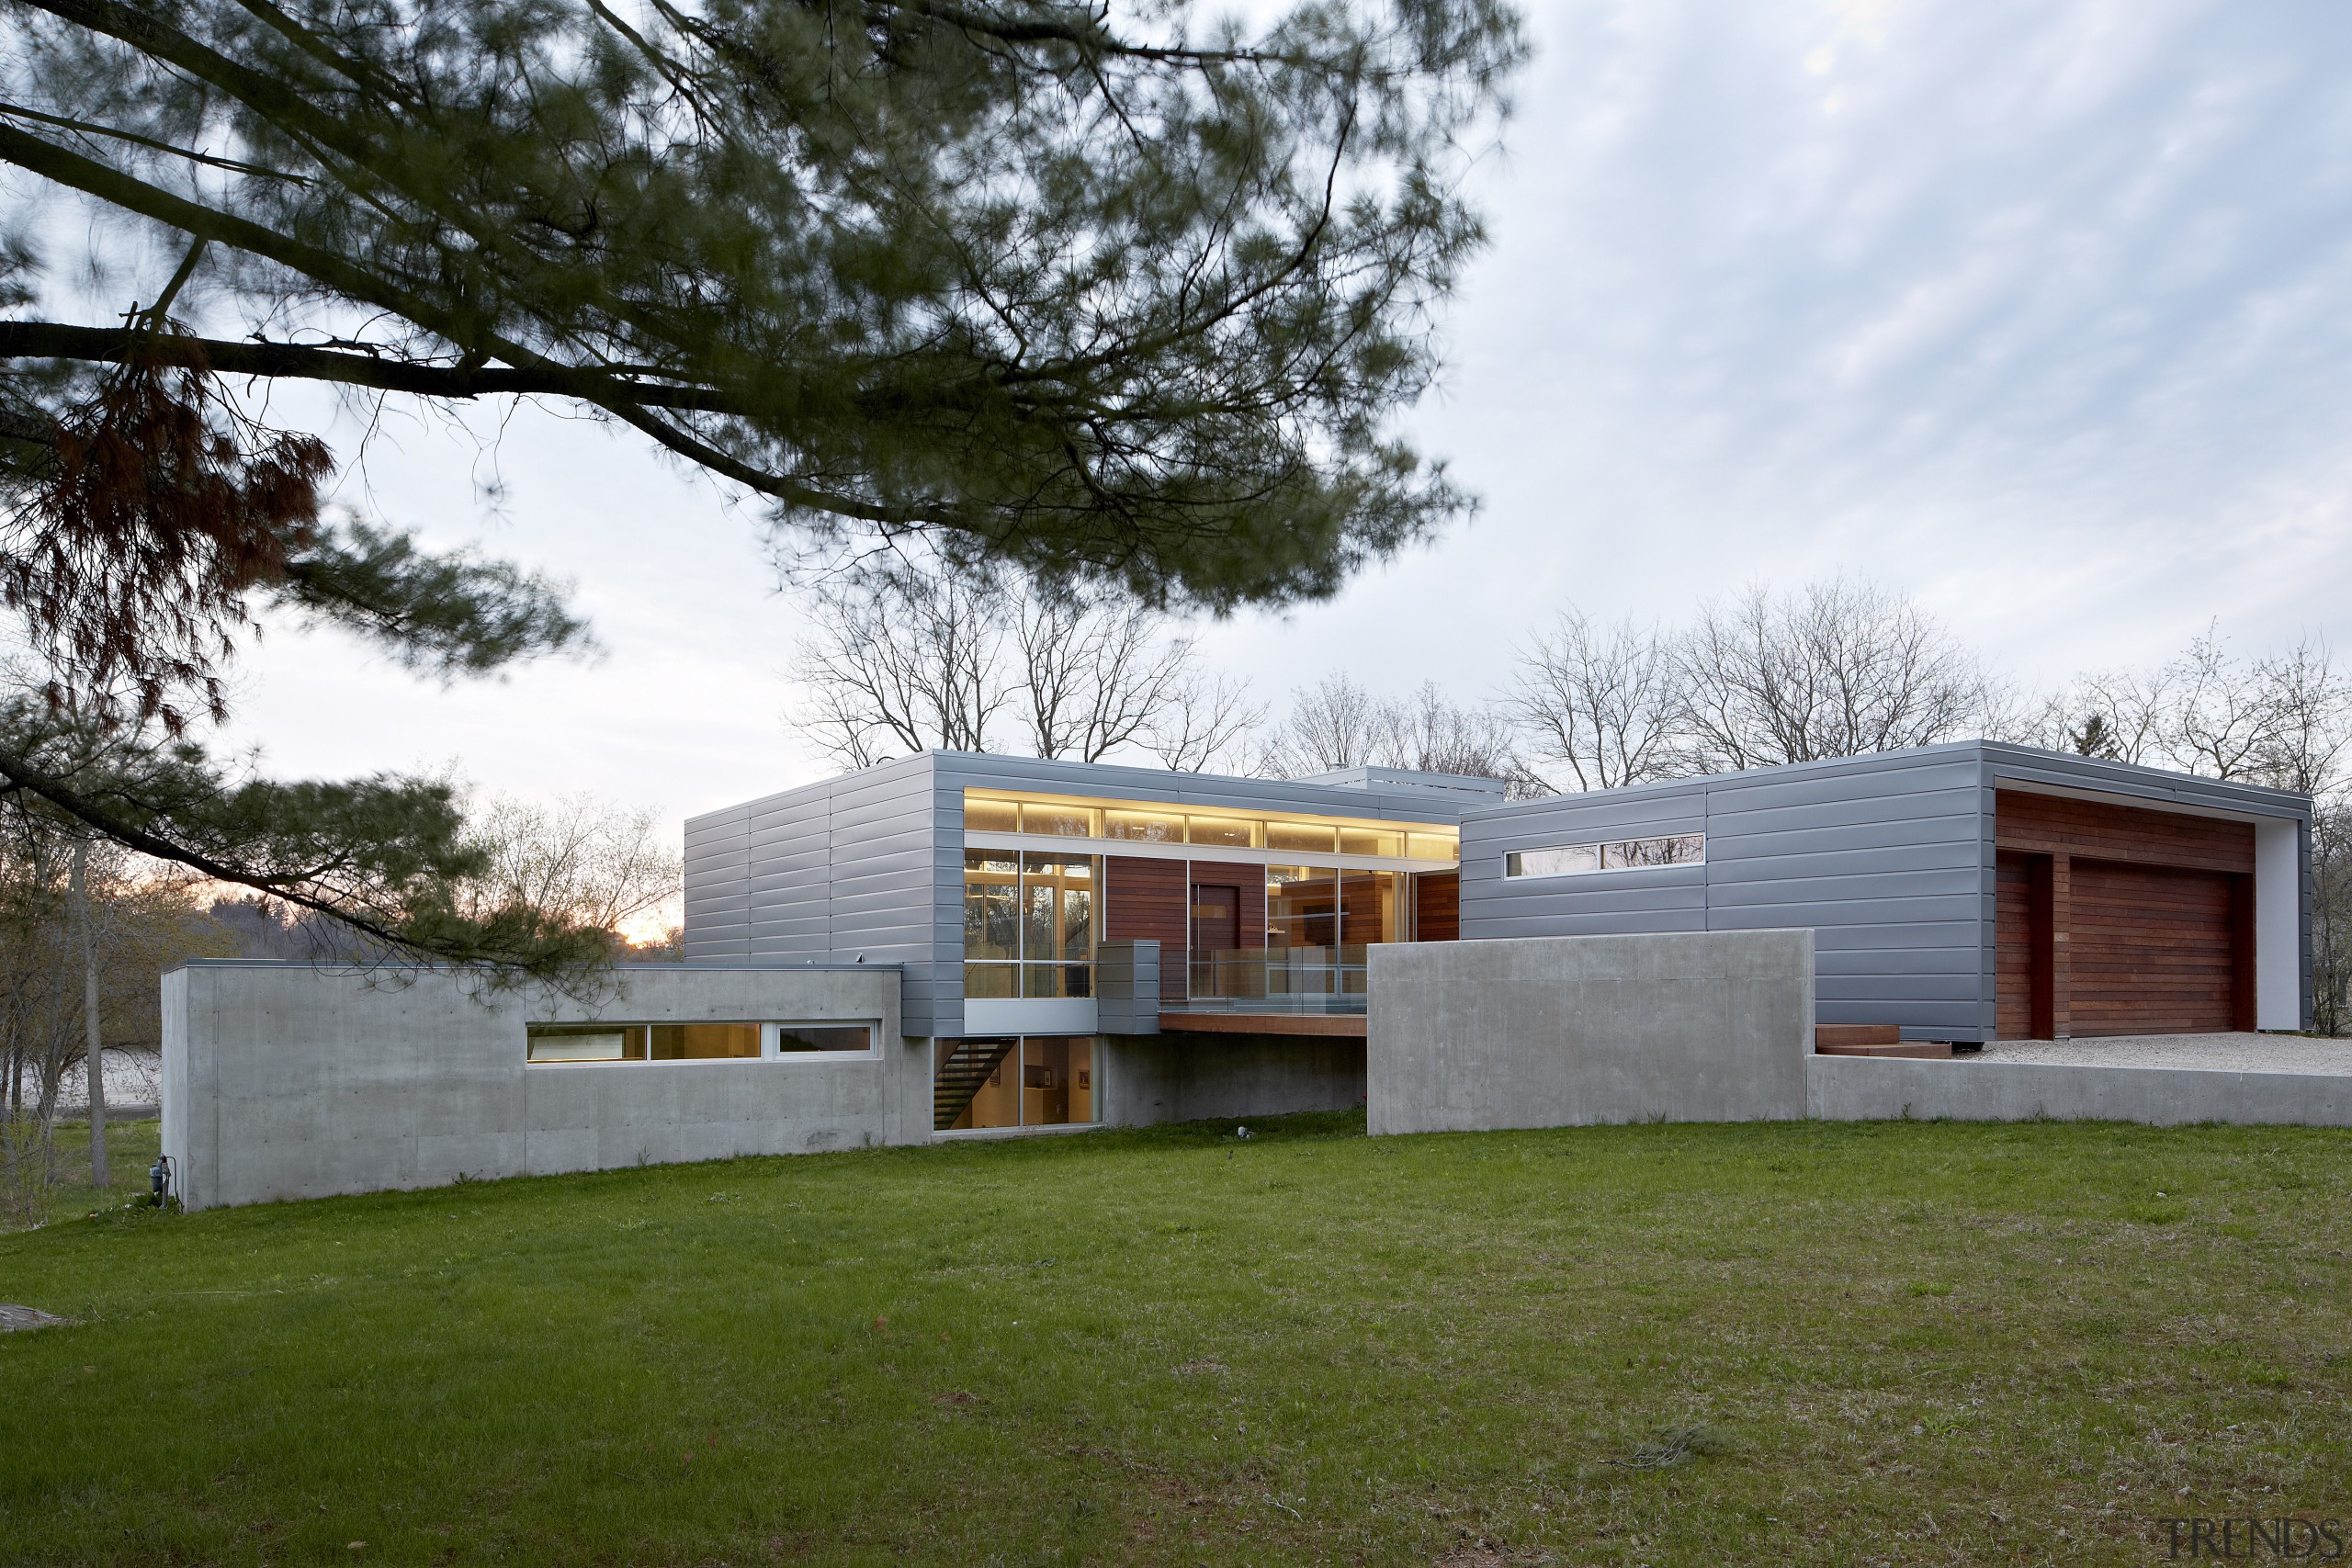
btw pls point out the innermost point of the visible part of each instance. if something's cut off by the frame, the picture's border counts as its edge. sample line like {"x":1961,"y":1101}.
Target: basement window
{"x":1620,"y":855}
{"x":577,"y":1043}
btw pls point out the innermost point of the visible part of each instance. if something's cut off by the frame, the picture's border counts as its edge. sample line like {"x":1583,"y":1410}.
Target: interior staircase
{"x":970,"y":1065}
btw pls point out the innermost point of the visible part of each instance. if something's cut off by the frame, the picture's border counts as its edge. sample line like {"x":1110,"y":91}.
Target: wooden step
{"x":1930,"y":1050}
{"x":1828,"y":1034}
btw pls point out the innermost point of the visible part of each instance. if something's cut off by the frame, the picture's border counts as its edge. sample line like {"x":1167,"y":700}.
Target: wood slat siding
{"x":1147,"y":900}
{"x":2046,"y":824}
{"x":2019,"y":940}
{"x":1437,"y":906}
{"x":2149,"y":904}
{"x":2151,"y":949}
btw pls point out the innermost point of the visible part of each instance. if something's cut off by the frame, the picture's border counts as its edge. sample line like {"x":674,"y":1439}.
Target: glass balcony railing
{"x":1275,"y":979}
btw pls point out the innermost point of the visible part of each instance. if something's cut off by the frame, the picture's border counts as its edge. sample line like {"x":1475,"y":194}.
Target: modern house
{"x":1965,"y":892}
{"x":1049,"y":917}
{"x":965,"y":945}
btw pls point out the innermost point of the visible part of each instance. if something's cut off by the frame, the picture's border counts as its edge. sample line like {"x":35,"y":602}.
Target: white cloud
{"x":2048,"y":321}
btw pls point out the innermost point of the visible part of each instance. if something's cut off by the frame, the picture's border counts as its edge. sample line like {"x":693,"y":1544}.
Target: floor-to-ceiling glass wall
{"x":1029,"y":922}
{"x":1039,"y":1081}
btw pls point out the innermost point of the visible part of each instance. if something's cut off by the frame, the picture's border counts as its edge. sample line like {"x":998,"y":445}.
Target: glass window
{"x":1368,"y":908}
{"x":1030,"y":924}
{"x":1061,"y":821}
{"x":704,"y":1042}
{"x":1365,"y":841}
{"x":991,"y":904}
{"x":1685,"y":850}
{"x":1622,"y":854}
{"x":1433,"y":846}
{"x":584,"y":1043}
{"x":976,"y":1083}
{"x":1561,"y":860}
{"x":1150,"y":828}
{"x":1057,"y":906}
{"x":992,"y":981}
{"x":1302,"y":906}
{"x":1311,"y":840}
{"x":798,"y":1037}
{"x":1056,"y":1082}
{"x":985,"y":816}
{"x":1236,"y":832}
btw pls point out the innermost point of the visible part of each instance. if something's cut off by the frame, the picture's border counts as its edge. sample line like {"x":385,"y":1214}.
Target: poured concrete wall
{"x":1195,"y":1077}
{"x":289,"y":1081}
{"x":1549,"y":1032}
{"x":1863,"y":1088}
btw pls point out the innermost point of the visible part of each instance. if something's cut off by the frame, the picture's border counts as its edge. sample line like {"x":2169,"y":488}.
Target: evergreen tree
{"x":1119,"y":299}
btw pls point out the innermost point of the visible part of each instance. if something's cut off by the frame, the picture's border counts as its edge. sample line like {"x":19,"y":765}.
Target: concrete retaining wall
{"x":287,"y":1081}
{"x":1861,"y":1089}
{"x":1548,"y":1032}
{"x":1196,"y":1078}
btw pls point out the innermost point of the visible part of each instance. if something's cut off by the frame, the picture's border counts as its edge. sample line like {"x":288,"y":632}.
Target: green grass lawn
{"x":1895,"y":1342}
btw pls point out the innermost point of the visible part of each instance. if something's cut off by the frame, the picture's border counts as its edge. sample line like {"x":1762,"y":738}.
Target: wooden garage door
{"x":2152,"y":949}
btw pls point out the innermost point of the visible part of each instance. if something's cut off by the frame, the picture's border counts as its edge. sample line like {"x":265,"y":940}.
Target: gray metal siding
{"x":1890,"y":859}
{"x":1880,"y":856}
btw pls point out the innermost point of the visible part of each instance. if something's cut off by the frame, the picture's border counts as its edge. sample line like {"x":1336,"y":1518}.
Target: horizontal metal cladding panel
{"x":901,"y":834}
{"x":1919,"y":987}
{"x":1958,"y":934}
{"x":1583,"y":824}
{"x":1837,"y":865}
{"x":1918,"y":1020}
{"x":1832,"y":910}
{"x":1489,"y":925}
{"x":1204,"y":791}
{"x":1927,"y":806}
{"x":791,"y":884}
{"x":857,"y":863}
{"x":1857,"y":778}
{"x":801,"y":931}
{"x":1798,"y":889}
{"x":1533,"y":901}
{"x":902,"y":816}
{"x":2016,"y":765}
{"x":1732,"y":846}
{"x":781,"y":814}
{"x":907,"y":895}
{"x":726,"y":818}
{"x":805,"y":840}
{"x":1949,"y":960}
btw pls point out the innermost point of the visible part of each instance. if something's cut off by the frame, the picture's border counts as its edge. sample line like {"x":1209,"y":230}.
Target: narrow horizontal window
{"x":558,"y":1044}
{"x":1620,"y":855}
{"x":586,"y":1043}
{"x":796,"y":1039}
{"x":1561,"y":860}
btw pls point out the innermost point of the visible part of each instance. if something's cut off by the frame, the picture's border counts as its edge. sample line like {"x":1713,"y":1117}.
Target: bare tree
{"x":579,"y":859}
{"x":1431,"y":732}
{"x":1837,"y":669}
{"x":1337,"y":724}
{"x":1204,"y":724}
{"x":1331,"y":725}
{"x":904,"y":663}
{"x":1098,"y":678}
{"x":1605,"y":704}
{"x":928,"y":660}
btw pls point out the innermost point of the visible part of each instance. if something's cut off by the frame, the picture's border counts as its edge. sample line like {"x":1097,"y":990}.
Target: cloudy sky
{"x":2039,"y":311}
